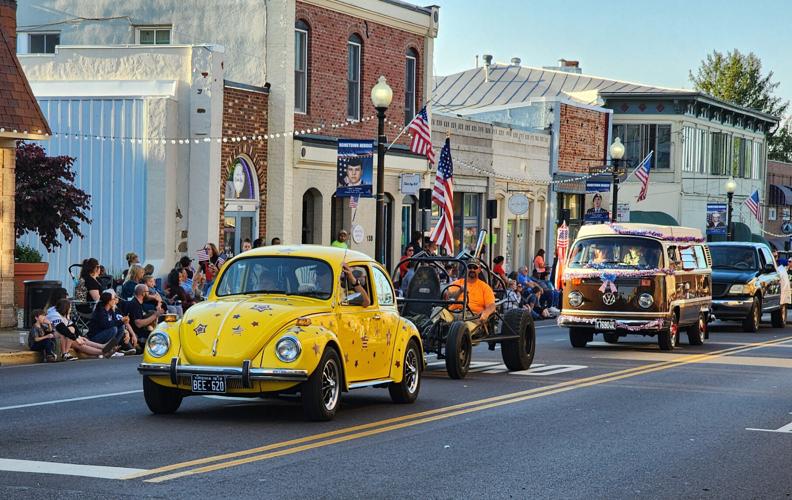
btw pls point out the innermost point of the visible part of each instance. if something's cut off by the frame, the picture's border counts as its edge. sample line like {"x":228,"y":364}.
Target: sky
{"x":650,"y":42}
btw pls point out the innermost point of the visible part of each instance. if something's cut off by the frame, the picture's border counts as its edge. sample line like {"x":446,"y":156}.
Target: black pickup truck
{"x":745,"y":284}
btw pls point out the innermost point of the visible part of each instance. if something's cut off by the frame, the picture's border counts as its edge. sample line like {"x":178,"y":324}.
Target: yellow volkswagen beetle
{"x":287,"y":319}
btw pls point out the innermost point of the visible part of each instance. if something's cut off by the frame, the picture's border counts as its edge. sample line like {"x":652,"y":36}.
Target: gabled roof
{"x":514,"y":84}
{"x":20,"y":115}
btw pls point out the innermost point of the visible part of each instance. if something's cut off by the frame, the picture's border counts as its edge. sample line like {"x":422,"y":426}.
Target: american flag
{"x":443,"y":195}
{"x":422,"y":135}
{"x":752,"y":202}
{"x":202,"y":254}
{"x":221,"y":259}
{"x":562,"y":244}
{"x":642,"y":173}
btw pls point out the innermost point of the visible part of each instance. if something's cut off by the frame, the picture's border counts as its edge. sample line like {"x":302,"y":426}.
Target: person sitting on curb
{"x":42,"y":337}
{"x":109,"y":328}
{"x":141,"y":322}
{"x":59,"y":315}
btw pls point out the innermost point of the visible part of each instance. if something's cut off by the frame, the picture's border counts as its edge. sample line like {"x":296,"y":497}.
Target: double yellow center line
{"x":227,"y":460}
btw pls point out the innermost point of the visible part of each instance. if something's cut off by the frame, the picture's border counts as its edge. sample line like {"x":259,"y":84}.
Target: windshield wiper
{"x":283,"y":292}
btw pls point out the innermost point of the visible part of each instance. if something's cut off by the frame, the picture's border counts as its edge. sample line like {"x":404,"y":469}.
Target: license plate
{"x":605,"y":324}
{"x":214,"y":384}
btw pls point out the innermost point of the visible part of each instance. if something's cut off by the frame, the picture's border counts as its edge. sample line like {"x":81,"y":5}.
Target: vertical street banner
{"x":355,"y":168}
{"x":716,"y":218}
{"x":596,"y":214}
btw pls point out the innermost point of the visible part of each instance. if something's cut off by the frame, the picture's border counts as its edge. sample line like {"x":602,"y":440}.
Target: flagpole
{"x":639,"y":166}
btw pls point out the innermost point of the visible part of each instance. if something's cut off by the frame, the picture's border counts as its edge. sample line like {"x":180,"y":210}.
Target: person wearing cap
{"x":341,"y":241}
{"x":480,"y":297}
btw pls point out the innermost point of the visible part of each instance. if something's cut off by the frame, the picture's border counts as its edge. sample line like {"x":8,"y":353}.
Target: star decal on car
{"x":346,"y":357}
{"x":387,"y":338}
{"x":236,"y":316}
{"x":200,"y":329}
{"x":397,"y":363}
{"x":237,"y":330}
{"x":316,"y":348}
{"x":254,"y":324}
{"x":190,"y":321}
{"x":262,"y":307}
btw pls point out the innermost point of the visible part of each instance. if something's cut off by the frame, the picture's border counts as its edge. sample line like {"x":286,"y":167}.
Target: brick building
{"x":778,"y":203}
{"x":20,"y":118}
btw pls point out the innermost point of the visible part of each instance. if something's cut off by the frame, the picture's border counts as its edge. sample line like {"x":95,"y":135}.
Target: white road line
{"x":58,"y":401}
{"x":35,"y":467}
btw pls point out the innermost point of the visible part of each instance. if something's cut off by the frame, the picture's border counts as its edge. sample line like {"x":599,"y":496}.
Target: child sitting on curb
{"x":42,"y":337}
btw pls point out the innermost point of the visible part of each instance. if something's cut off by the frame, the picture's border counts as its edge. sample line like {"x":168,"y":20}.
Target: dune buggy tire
{"x":321,"y":393}
{"x":406,"y":391}
{"x":518,"y":354}
{"x":459,"y":350}
{"x":579,"y":337}
{"x":161,"y":400}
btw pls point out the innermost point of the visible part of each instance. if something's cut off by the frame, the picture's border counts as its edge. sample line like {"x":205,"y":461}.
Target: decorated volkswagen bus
{"x":637,"y":279}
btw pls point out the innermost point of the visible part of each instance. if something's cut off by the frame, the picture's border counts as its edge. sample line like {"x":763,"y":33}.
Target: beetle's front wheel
{"x":321,"y":393}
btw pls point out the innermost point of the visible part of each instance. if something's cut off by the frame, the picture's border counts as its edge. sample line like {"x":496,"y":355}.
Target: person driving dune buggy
{"x":454,"y":317}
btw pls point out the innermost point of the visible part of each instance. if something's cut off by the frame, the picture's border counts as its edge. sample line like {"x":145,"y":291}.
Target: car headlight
{"x":738,"y":289}
{"x":645,"y":300}
{"x":158,"y":344}
{"x":575,"y":299}
{"x":288,"y":349}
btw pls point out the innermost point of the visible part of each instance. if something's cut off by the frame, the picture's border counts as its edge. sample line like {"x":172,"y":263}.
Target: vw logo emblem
{"x":609,"y":299}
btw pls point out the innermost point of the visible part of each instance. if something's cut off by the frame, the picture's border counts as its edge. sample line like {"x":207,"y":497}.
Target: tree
{"x":737,"y":78}
{"x":47,"y":201}
{"x":780,"y":146}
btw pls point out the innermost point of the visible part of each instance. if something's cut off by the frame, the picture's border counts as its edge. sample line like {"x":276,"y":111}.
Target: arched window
{"x":312,"y":217}
{"x":240,"y":184}
{"x":301,"y":66}
{"x":354,"y":51}
{"x":410,"y":84}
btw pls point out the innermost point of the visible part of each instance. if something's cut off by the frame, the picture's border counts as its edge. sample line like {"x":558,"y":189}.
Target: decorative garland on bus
{"x":650,"y":325}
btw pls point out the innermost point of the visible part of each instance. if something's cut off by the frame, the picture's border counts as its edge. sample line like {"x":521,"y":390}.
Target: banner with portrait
{"x":596,"y":213}
{"x":716,"y":218}
{"x":355,"y":168}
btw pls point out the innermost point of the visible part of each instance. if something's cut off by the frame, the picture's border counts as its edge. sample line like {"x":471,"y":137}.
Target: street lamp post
{"x":731,"y":187}
{"x":616,"y":153}
{"x":381,"y":96}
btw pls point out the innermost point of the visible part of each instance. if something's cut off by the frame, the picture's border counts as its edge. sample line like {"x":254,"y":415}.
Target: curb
{"x":20,"y":358}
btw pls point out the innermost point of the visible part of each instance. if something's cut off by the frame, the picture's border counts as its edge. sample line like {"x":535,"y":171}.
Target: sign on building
{"x":716,"y":218}
{"x":410,"y":184}
{"x":518,"y":204}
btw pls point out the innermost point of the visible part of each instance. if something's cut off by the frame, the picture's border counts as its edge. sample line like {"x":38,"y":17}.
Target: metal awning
{"x":780,"y":194}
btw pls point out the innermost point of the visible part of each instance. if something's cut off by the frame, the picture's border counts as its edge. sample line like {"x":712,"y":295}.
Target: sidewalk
{"x":14,"y":353}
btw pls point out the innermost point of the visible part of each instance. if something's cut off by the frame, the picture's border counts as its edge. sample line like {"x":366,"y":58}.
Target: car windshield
{"x":277,"y":275}
{"x":616,"y":252}
{"x":734,"y":257}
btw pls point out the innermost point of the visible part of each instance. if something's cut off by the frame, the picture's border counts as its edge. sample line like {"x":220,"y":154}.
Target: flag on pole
{"x":752,"y":202}
{"x":221,"y":260}
{"x":422,"y":135}
{"x":642,"y":173}
{"x":202,"y":255}
{"x":443,"y":195}
{"x":562,"y":245}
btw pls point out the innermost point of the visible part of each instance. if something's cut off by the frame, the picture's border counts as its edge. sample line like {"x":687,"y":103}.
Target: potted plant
{"x":27,"y":266}
{"x":48,"y":204}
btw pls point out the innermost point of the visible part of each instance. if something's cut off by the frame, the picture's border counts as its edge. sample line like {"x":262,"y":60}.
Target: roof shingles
{"x":19,"y":111}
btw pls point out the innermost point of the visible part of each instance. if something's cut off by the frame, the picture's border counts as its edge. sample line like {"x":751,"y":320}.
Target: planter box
{"x":24,"y":271}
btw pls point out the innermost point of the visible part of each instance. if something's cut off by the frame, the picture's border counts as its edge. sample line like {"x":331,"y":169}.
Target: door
{"x":238,"y":227}
{"x":388,"y":321}
{"x":770,"y":282}
{"x":358,"y":337}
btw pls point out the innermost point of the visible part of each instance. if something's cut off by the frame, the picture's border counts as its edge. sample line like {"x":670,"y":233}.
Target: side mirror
{"x":769,"y":268}
{"x":354,"y":299}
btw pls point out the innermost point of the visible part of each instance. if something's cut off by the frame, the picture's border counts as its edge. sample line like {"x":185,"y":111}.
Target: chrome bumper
{"x":629,"y":325}
{"x":732,"y":308}
{"x":244,"y":373}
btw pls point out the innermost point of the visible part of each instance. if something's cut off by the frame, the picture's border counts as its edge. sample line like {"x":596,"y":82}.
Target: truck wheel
{"x":160,"y":399}
{"x":779,"y":317}
{"x":751,"y":323}
{"x":321,"y":393}
{"x":611,"y":338}
{"x":459,"y":349}
{"x":406,"y":391}
{"x":697,"y":331}
{"x":668,"y":339}
{"x":518,"y":354}
{"x":579,"y":337}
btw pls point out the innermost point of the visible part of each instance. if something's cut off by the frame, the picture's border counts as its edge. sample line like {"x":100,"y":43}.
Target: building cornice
{"x":416,"y":20}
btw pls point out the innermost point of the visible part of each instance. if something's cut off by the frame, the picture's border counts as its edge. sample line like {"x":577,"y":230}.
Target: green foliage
{"x":47,"y":201}
{"x":26,"y":253}
{"x":780,"y":145}
{"x":738,"y":78}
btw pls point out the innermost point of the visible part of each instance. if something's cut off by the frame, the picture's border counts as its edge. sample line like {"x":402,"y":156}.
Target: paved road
{"x":608,"y":421}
